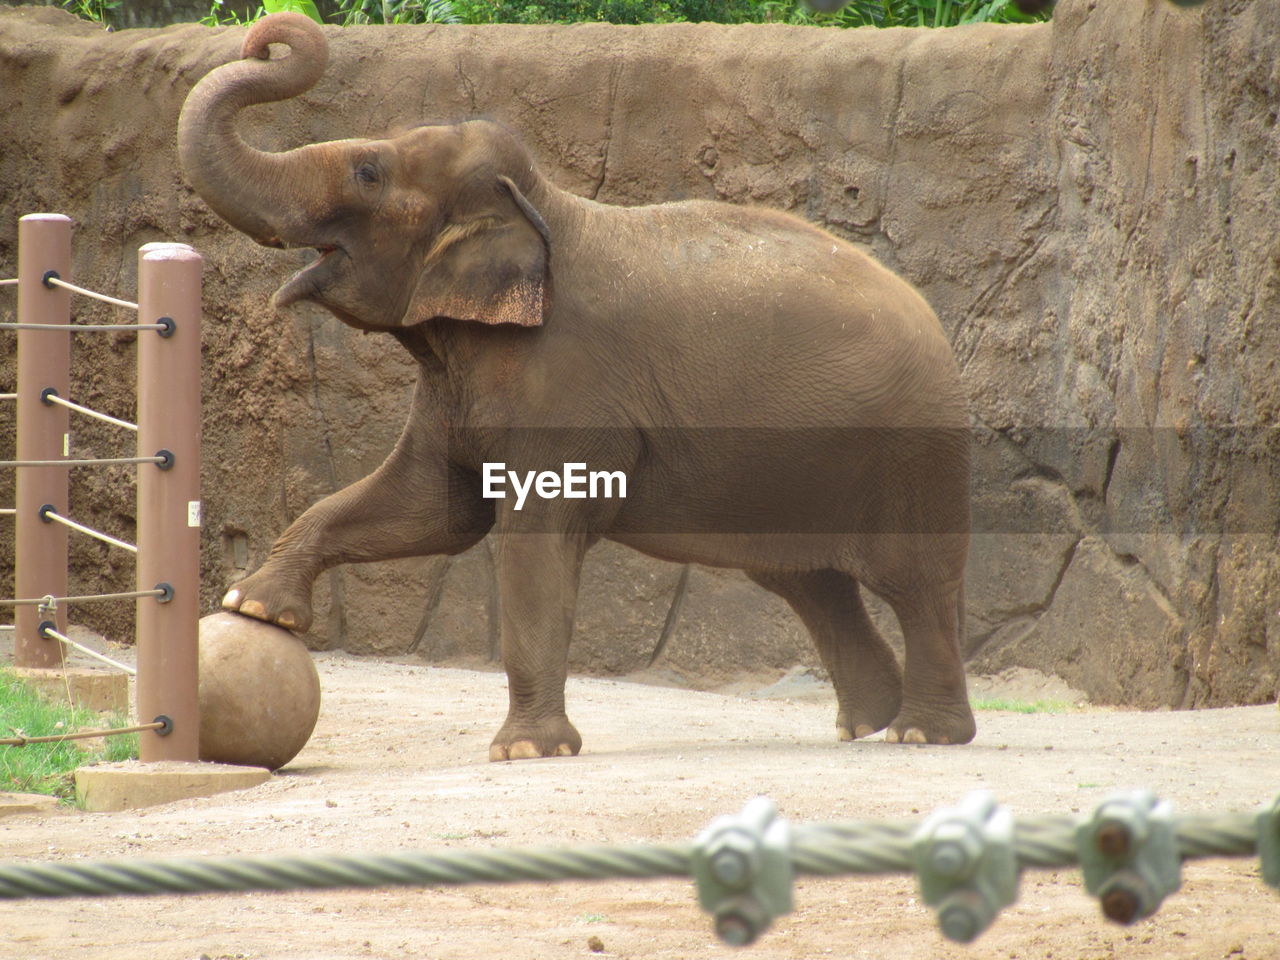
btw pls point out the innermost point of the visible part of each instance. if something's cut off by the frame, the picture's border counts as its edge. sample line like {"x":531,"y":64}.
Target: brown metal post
{"x":40,"y":548}
{"x":169,"y":500}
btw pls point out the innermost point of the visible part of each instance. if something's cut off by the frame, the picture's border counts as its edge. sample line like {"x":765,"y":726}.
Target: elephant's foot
{"x":518,"y":740}
{"x":864,"y":719}
{"x":939,"y":724}
{"x":273,"y":599}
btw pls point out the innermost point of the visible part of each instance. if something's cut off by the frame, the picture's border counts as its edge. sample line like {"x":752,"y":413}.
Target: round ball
{"x":259,"y":692}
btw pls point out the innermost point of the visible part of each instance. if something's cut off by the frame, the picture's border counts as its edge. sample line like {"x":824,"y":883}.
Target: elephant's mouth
{"x":310,"y":282}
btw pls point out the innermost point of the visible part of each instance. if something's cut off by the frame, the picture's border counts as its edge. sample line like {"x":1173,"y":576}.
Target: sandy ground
{"x":398,"y":763}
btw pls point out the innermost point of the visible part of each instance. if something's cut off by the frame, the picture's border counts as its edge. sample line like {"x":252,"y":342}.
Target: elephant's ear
{"x":490,"y":269}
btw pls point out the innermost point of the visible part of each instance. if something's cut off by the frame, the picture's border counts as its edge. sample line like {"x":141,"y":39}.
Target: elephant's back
{"x":775,"y":314}
{"x":766,"y":267}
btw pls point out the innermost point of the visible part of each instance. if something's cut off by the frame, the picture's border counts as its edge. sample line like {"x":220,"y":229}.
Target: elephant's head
{"x":432,"y":223}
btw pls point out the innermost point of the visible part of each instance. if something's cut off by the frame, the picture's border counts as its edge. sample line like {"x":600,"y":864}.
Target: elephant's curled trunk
{"x":254,"y":191}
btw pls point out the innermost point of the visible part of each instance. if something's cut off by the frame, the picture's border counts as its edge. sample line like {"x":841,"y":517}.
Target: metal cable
{"x":50,"y":397}
{"x":328,"y":872}
{"x":50,"y":633}
{"x":823,"y":850}
{"x":8,"y":396}
{"x":48,"y":513}
{"x":83,"y":598}
{"x":9,"y":283}
{"x":1046,"y":842}
{"x":88,"y":327}
{"x":51,"y":279}
{"x":8,"y":512}
{"x":81,"y":735}
{"x":1206,"y":835}
{"x":828,"y":850}
{"x":105,"y":461}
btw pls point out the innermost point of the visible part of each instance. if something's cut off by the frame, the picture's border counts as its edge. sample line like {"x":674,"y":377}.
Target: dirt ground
{"x":398,"y":763}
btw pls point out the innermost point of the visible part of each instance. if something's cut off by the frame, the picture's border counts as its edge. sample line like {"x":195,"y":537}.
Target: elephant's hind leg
{"x":935,"y":703}
{"x":862,"y":666}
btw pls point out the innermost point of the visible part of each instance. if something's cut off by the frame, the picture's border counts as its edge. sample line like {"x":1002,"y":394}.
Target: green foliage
{"x":397,"y":11}
{"x":856,"y":13}
{"x":220,"y":15}
{"x":916,"y":13}
{"x":1005,"y":705}
{"x":305,"y":7}
{"x":95,"y":10}
{"x":607,"y":11}
{"x":48,"y":767}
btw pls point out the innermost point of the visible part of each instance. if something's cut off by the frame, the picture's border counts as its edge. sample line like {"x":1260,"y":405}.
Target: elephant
{"x":775,"y":399}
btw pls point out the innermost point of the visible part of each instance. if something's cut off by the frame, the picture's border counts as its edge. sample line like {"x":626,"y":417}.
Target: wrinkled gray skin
{"x":840,"y":455}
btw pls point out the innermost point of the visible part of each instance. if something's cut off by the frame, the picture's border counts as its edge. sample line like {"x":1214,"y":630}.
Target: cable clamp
{"x":966,"y":864}
{"x":742,"y":865}
{"x":1129,"y":853}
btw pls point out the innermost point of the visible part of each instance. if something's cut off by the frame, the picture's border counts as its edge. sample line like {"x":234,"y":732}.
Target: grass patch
{"x":48,"y":768}
{"x":1019,"y":706}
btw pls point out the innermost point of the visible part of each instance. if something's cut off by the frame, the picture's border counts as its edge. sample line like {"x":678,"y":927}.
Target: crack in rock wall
{"x":1088,"y":204}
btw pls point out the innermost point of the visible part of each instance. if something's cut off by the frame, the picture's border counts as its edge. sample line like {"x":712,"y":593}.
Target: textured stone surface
{"x":106,"y":787}
{"x":26,"y":804}
{"x":1089,"y":205}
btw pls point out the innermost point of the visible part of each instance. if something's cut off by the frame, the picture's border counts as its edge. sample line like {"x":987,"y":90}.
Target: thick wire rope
{"x":819,"y":850}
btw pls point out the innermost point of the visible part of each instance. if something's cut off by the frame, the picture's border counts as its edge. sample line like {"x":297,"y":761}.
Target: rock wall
{"x":1089,"y":204}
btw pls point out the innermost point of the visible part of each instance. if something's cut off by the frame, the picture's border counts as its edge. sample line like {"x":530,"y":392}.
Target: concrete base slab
{"x":133,"y":784}
{"x":13,"y":804}
{"x":102,"y":691}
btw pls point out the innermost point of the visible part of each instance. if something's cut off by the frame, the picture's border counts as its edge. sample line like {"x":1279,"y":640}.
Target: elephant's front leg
{"x":538,"y":591}
{"x":411,"y":506}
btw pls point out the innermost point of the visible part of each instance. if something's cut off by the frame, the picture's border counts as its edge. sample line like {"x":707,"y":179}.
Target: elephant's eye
{"x":367,"y":175}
